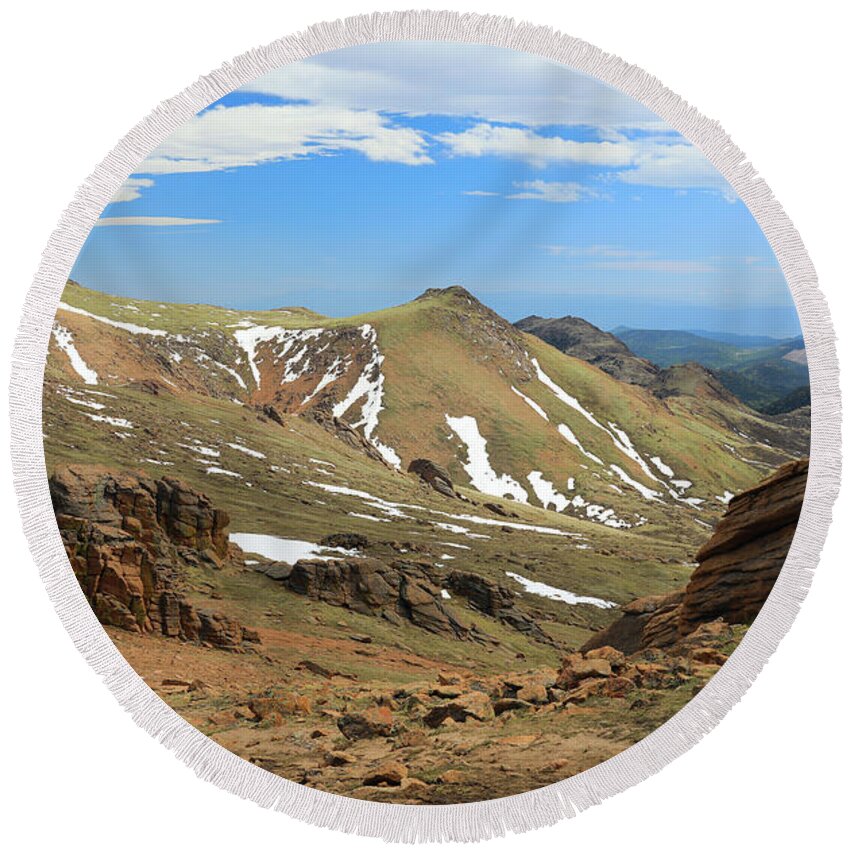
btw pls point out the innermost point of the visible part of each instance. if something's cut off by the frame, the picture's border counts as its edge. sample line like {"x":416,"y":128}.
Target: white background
{"x":76,"y":77}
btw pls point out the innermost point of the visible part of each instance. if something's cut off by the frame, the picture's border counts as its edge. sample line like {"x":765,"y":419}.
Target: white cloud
{"x":131,"y":189}
{"x":529,"y":146}
{"x":151,"y":221}
{"x":439,"y":78}
{"x":678,"y":166}
{"x":478,"y":193}
{"x":252,"y":134}
{"x":555,"y":193}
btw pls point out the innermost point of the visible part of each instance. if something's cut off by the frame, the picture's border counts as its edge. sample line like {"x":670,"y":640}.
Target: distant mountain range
{"x":769,"y":375}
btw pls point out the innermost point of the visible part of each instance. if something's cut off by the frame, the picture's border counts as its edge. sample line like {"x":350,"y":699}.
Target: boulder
{"x":373,"y":722}
{"x":391,"y":773}
{"x":346,"y":540}
{"x":472,"y":705}
{"x":740,"y":563}
{"x":576,"y":668}
{"x":433,"y":474}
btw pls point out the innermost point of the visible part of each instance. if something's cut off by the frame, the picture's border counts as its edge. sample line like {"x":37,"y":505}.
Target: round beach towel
{"x":426,"y":418}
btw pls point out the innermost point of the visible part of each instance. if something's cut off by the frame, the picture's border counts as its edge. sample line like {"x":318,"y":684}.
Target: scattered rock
{"x":500,"y":706}
{"x":374,"y":722}
{"x":346,"y":540}
{"x":390,"y":773}
{"x":339,"y":758}
{"x":474,"y":705}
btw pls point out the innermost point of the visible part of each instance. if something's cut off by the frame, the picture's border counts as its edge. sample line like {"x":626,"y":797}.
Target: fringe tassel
{"x":393,"y":822}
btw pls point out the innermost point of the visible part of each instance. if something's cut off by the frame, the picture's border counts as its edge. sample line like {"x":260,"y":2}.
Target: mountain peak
{"x":579,"y":338}
{"x":454,"y":291}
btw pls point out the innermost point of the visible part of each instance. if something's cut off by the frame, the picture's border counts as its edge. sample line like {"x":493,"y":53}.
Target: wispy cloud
{"x":152,"y":221}
{"x":554,"y":193}
{"x":252,"y":134}
{"x":469,"y":80}
{"x":478,"y":193}
{"x":661,"y":266}
{"x":131,"y":189}
{"x":608,"y":251}
{"x":675,"y":166}
{"x":524,"y":144}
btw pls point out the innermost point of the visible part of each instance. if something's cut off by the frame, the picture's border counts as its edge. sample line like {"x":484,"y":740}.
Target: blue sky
{"x":354,"y":180}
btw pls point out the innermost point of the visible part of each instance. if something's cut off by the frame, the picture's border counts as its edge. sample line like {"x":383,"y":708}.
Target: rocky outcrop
{"x":736,"y":569}
{"x":401,"y":589}
{"x":433,"y":474}
{"x":494,"y":600}
{"x":129,"y":539}
{"x":740,"y":563}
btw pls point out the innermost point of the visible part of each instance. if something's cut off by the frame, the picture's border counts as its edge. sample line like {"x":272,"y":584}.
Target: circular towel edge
{"x":398,"y":822}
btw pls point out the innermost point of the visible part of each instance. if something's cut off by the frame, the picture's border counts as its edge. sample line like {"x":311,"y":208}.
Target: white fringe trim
{"x":395,"y":822}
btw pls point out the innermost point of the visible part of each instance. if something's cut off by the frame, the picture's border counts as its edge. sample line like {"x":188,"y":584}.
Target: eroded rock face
{"x":369,"y":586}
{"x":740,"y":563}
{"x":433,"y":474}
{"x":129,"y":537}
{"x":737,"y":568}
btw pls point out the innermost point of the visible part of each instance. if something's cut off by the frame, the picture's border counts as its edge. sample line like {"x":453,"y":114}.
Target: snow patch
{"x":546,"y":493}
{"x":532,"y":404}
{"x":538,"y":588}
{"x":65,"y":341}
{"x":481,"y":474}
{"x":245,"y":450}
{"x":124,"y":326}
{"x":286,"y":549}
{"x":370,"y":384}
{"x":662,"y":467}
{"x":217,"y":470}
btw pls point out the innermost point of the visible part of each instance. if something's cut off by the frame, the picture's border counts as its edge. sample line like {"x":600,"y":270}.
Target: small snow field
{"x":206,"y":451}
{"x":369,"y":387}
{"x":662,"y":467}
{"x":477,"y":466}
{"x":532,"y":404}
{"x":538,"y":588}
{"x":217,"y":470}
{"x":65,"y":340}
{"x":286,"y":549}
{"x":116,"y":422}
{"x":245,"y":450}
{"x":124,"y":326}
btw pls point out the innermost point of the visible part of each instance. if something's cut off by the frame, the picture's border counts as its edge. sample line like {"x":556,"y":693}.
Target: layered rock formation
{"x":401,"y":589}
{"x":737,"y":568}
{"x":129,"y":539}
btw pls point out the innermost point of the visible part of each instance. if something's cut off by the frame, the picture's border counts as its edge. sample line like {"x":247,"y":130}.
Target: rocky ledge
{"x":130,"y":539}
{"x":736,"y":570}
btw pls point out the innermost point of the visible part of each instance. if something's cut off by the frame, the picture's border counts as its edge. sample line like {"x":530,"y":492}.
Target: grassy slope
{"x":429,"y":372}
